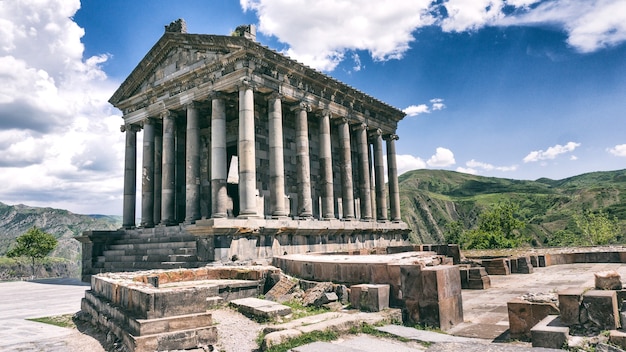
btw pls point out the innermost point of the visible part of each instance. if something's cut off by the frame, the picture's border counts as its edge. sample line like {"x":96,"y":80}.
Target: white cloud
{"x":618,"y":150}
{"x":550,"y":153}
{"x":467,"y":170}
{"x":414,"y":110}
{"x":320,"y":33}
{"x":443,"y":157}
{"x":473,"y":164}
{"x":406,"y":162}
{"x":60,"y":143}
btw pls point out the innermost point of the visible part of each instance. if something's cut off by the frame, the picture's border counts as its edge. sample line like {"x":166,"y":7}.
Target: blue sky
{"x":520,"y":89}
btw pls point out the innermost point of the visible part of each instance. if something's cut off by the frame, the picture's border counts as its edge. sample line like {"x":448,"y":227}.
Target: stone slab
{"x":600,"y":307}
{"x":569,"y":305}
{"x":369,"y":298}
{"x":260,"y":307}
{"x":523,"y":315}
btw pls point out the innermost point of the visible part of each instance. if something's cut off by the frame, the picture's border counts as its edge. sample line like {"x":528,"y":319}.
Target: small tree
{"x":597,"y":228}
{"x":34,"y":244}
{"x":497,"y":227}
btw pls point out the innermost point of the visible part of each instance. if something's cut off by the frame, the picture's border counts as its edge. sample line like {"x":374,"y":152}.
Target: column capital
{"x":167,"y":113}
{"x":391,"y":137}
{"x":130,"y":128}
{"x":192,"y":105}
{"x":303,"y":105}
{"x":216,"y":94}
{"x":148,"y":121}
{"x":275,"y":95}
{"x":341,"y":120}
{"x":375,"y":133}
{"x":325,"y":112}
{"x":245,"y":83}
{"x":359,"y":126}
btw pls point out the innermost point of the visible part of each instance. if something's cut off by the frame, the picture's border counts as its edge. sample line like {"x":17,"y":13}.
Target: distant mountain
{"x":64,"y":225}
{"x":432,"y":198}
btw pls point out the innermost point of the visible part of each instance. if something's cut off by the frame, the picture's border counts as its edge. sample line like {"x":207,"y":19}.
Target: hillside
{"x":64,"y":225}
{"x":432,"y":198}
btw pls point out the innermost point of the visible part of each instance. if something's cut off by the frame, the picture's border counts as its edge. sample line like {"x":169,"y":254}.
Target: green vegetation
{"x":34,"y":244}
{"x":299,"y":311}
{"x":446,"y":206}
{"x":64,"y":321}
{"x":313,"y":336}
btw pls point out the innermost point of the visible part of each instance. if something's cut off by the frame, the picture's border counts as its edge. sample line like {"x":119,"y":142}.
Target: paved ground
{"x":20,"y":300}
{"x":485,"y":312}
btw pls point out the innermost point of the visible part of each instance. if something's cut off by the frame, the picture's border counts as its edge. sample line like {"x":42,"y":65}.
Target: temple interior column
{"x":326,"y":167}
{"x":392,"y":172}
{"x":218,"y":158}
{"x":192,"y":162}
{"x":246,"y":153}
{"x":277,"y":161}
{"x":347,"y":191}
{"x":370,"y":159}
{"x":379,"y":171}
{"x":130,"y":176}
{"x":303,"y":164}
{"x":364,"y":171}
{"x":158,"y":159}
{"x":147,"y":175}
{"x":168,"y":169}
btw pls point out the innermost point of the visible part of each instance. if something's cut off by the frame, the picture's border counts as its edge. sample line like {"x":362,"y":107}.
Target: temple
{"x":243,"y":146}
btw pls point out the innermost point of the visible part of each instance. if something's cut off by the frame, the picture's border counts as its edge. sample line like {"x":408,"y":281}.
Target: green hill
{"x":64,"y":225}
{"x":432,"y":198}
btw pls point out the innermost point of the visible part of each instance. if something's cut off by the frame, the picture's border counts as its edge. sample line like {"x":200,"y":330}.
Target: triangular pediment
{"x":173,"y":55}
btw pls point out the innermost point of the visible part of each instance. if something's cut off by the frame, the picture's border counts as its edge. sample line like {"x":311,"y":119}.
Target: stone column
{"x":277,"y":161}
{"x":218,"y":158}
{"x":364,"y":172}
{"x":168,"y":170}
{"x":379,"y":172}
{"x":158,"y":159}
{"x":347,"y":191}
{"x":392,"y":172}
{"x":303,"y":164}
{"x":246,"y":151}
{"x":147,"y":175}
{"x":326,"y":167}
{"x":130,"y":176}
{"x":192,"y":164}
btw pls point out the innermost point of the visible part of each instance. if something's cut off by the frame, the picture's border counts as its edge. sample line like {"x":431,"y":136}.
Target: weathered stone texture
{"x":523,"y":315}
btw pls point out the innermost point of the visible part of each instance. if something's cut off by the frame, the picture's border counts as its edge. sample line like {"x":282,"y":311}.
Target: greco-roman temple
{"x":246,"y":154}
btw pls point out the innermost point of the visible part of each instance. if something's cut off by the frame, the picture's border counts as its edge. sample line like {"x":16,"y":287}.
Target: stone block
{"x":524,"y":265}
{"x":618,"y":338}
{"x":498,"y":266}
{"x":600,"y":308}
{"x":283,"y":287}
{"x":260,"y":307}
{"x":464,"y":272}
{"x":523,"y":315}
{"x":608,"y":280}
{"x":441,"y":304}
{"x":370,"y":298}
{"x":479,"y":284}
{"x":549,"y":333}
{"x":569,"y":305}
{"x":544,"y":260}
{"x":534,"y":261}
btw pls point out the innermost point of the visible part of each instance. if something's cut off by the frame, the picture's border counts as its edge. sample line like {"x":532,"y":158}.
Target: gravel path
{"x":235,"y":332}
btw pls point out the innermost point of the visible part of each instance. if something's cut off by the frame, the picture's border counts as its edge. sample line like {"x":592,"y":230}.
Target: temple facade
{"x":246,"y":154}
{"x":232,"y":129}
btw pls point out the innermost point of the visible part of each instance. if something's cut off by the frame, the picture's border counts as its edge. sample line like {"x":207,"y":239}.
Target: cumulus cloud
{"x":475,"y":167}
{"x":414,"y":110}
{"x":443,"y":157}
{"x":60,"y":143}
{"x":320,"y":33}
{"x":551,"y":153}
{"x":618,"y":150}
{"x":407,"y":162}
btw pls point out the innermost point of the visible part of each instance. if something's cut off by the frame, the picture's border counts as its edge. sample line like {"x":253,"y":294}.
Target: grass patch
{"x":303,"y":339}
{"x":299,"y":311}
{"x":64,"y":321}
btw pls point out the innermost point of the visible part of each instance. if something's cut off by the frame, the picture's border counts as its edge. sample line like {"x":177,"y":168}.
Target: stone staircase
{"x":153,"y":248}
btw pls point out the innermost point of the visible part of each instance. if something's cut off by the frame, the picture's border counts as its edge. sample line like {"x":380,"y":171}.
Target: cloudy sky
{"x":520,"y":89}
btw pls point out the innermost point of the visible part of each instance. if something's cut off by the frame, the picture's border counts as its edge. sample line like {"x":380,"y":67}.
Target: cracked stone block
{"x":600,"y":308}
{"x":549,"y":333}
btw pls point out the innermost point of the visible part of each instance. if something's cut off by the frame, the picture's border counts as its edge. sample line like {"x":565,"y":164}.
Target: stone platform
{"x":228,"y":240}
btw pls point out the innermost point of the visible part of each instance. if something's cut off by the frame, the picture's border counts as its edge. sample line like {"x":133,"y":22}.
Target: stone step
{"x":132,"y":266}
{"x":136,"y":258}
{"x":157,"y":239}
{"x":182,"y":258}
{"x":150,"y":251}
{"x":185,"y":244}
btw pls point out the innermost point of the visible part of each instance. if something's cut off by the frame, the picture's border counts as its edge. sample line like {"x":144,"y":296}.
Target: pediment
{"x":172,"y":56}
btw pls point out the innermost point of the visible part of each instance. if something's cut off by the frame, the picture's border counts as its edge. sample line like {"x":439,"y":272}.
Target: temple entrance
{"x":232,"y":180}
